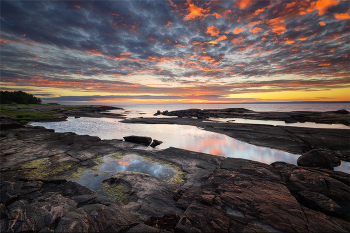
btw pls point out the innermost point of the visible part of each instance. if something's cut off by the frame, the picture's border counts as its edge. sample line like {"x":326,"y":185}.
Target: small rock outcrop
{"x":342,"y":111}
{"x":316,"y":158}
{"x":7,"y":122}
{"x":155,"y":143}
{"x":146,"y":141}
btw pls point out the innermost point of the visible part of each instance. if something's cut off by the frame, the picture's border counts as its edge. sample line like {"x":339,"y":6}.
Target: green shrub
{"x":3,"y":135}
{"x":18,"y":134}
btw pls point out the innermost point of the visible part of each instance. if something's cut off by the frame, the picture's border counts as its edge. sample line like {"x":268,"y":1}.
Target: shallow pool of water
{"x":180,"y":136}
{"x":108,"y":165}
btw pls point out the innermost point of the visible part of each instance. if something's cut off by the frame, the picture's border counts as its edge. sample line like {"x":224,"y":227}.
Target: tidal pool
{"x":180,"y":136}
{"x":109,"y":165}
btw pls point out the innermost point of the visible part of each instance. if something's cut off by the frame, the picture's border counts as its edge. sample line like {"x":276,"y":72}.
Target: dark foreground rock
{"x":212,"y":193}
{"x":7,"y":122}
{"x":45,"y":205}
{"x":319,"y":189}
{"x":246,"y":196}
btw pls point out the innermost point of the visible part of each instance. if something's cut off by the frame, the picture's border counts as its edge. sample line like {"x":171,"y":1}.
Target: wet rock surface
{"x":214,"y":194}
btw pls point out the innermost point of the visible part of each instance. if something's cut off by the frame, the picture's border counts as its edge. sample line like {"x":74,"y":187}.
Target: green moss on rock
{"x":44,"y":167}
{"x":117,"y":192}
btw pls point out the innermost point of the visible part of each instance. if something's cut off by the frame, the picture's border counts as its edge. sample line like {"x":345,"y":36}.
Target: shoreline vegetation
{"x":216,"y":194}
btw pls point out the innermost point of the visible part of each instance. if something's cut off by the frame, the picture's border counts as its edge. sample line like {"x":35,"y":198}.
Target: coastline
{"x":215,"y":194}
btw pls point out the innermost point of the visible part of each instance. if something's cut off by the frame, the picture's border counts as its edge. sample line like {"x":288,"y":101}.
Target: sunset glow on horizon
{"x":176,"y":51}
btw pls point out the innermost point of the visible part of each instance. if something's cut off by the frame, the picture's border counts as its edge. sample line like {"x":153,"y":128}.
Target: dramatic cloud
{"x":177,"y":51}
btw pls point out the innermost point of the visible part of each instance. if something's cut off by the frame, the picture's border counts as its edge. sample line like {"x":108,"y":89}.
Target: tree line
{"x":18,"y":97}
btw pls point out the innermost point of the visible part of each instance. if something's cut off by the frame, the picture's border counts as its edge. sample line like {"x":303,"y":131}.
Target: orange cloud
{"x":213,"y":42}
{"x":243,"y":4}
{"x":342,"y":16}
{"x":168,"y":24}
{"x":238,"y":30}
{"x":289,"y":41}
{"x":213,"y":30}
{"x":259,"y":11}
{"x":172,"y":4}
{"x":322,"y":23}
{"x":223,"y":37}
{"x":321,"y":6}
{"x":279,"y":29}
{"x":195,"y":11}
{"x":255,"y":30}
{"x":237,"y":40}
{"x":278,"y":25}
{"x":324,"y":64}
{"x":5,"y":41}
{"x":253,"y":23}
{"x":93,"y":51}
{"x":77,"y":6}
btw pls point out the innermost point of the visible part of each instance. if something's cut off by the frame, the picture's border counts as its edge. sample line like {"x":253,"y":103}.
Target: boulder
{"x":155,"y":143}
{"x":315,"y":158}
{"x":146,"y":141}
{"x":290,"y":121}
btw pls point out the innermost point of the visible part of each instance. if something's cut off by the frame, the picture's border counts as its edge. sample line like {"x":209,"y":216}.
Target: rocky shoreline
{"x":214,"y":194}
{"x":341,"y":116}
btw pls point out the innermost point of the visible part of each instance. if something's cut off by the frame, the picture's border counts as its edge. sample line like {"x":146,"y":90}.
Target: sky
{"x":176,"y":51}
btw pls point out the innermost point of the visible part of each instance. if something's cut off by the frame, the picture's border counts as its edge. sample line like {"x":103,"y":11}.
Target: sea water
{"x":263,"y":107}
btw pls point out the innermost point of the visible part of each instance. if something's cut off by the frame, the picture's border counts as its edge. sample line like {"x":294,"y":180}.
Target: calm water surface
{"x":180,"y":136}
{"x":109,"y":165}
